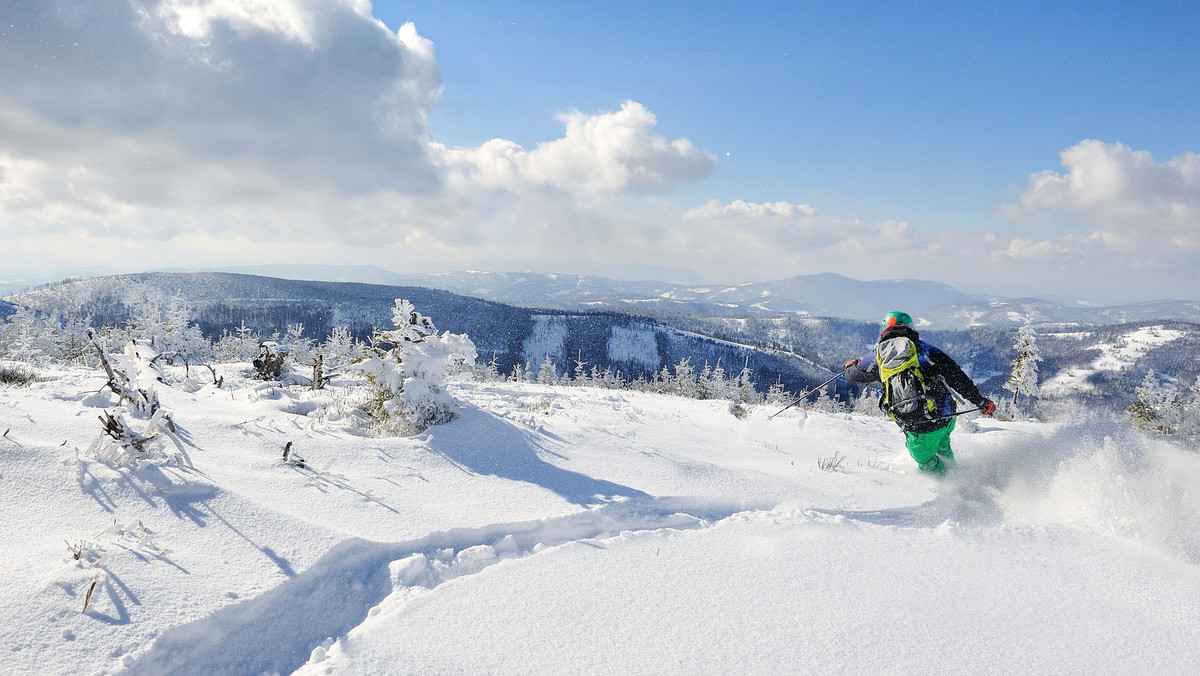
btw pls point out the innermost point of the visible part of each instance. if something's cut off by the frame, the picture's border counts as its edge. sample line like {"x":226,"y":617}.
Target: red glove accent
{"x":988,"y":408}
{"x":850,"y":363}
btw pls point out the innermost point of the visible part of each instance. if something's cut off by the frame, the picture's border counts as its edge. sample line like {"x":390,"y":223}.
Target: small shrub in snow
{"x":16,"y":374}
{"x":739,"y":410}
{"x":831,"y":463}
{"x":270,"y":360}
{"x":406,"y":379}
{"x":132,"y":434}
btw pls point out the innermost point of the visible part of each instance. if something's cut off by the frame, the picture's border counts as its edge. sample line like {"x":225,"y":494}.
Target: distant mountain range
{"x":507,"y":335}
{"x":1100,"y":362}
{"x":933,"y":304}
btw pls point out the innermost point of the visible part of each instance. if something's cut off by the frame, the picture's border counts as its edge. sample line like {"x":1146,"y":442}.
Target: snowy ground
{"x":585,"y":531}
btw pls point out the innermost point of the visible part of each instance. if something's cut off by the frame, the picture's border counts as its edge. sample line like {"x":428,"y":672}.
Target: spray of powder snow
{"x":1097,"y":474}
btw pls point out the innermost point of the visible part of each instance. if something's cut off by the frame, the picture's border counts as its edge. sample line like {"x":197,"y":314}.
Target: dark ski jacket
{"x":947,"y":375}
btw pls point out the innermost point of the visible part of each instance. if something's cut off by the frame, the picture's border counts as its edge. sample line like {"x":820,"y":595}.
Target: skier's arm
{"x":955,"y":377}
{"x":862,"y":371}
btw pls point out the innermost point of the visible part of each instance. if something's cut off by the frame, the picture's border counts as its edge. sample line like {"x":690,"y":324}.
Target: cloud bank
{"x":148,"y":133}
{"x":1117,"y":215}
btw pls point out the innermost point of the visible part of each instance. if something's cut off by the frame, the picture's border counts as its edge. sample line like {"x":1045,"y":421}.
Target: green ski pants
{"x":931,"y":450}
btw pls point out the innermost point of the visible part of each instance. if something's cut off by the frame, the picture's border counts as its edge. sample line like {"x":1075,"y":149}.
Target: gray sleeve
{"x":864,"y":372}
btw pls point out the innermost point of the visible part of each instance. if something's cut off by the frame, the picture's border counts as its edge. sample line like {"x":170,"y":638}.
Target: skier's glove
{"x":850,"y":363}
{"x":988,"y":408}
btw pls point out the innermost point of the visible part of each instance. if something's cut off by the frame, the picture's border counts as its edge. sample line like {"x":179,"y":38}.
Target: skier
{"x":917,"y":378}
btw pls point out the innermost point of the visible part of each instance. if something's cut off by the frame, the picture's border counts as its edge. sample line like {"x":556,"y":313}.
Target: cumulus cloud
{"x":1121,"y":195}
{"x":315,"y":92}
{"x":604,"y":154}
{"x":294,"y":118}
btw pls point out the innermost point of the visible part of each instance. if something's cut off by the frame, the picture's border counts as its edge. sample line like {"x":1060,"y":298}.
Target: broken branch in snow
{"x":88,"y":599}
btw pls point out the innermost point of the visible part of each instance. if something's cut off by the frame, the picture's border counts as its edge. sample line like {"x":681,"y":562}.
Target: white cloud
{"x":606,"y":154}
{"x":740,"y":209}
{"x":1122,"y":195}
{"x":312,"y":91}
{"x":289,"y":118}
{"x":211,"y":131}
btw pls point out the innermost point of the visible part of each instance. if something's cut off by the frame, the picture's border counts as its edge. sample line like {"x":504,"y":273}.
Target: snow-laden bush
{"x":406,"y":380}
{"x":270,"y":361}
{"x":132,"y":433}
{"x":238,"y":345}
{"x":169,"y":331}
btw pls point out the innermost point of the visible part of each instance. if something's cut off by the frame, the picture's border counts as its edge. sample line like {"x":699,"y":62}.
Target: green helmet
{"x":896,"y":318}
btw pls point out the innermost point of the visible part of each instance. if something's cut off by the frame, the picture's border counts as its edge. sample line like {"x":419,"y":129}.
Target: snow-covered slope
{"x":573,"y":530}
{"x":1110,"y":357}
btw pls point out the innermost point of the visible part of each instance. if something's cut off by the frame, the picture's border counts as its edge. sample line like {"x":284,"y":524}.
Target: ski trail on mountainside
{"x":277,"y":631}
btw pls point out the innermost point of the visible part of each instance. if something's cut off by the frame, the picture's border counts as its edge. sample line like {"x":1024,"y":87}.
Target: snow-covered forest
{"x":280,"y":504}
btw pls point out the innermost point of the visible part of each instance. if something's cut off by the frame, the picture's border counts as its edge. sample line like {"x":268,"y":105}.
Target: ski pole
{"x":801,"y":397}
{"x":953,"y":415}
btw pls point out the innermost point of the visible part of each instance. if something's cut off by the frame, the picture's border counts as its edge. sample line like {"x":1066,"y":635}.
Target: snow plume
{"x":1097,"y":474}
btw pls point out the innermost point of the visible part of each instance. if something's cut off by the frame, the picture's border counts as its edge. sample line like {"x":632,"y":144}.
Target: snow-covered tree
{"x":719,"y":385}
{"x":239,"y":345}
{"x":777,"y":393}
{"x":168,"y":330}
{"x":406,"y":379}
{"x":867,"y":402}
{"x":1187,"y":415}
{"x":300,"y":347}
{"x":547,"y":371}
{"x":684,"y":381}
{"x":746,"y":392}
{"x":22,"y":338}
{"x":1023,"y":379}
{"x":339,"y":350}
{"x":1151,"y":407}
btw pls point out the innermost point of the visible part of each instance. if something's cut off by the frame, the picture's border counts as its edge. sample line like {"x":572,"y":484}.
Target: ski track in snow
{"x":280,"y":630}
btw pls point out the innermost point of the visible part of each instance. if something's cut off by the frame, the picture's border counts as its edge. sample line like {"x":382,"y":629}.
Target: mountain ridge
{"x":817,"y":295}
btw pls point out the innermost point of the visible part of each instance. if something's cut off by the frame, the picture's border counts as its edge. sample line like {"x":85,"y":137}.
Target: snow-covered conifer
{"x":1023,"y":379}
{"x":1187,"y":418}
{"x":406,"y":381}
{"x":239,"y":345}
{"x":22,"y":337}
{"x":339,"y":350}
{"x":581,"y":375}
{"x":746,"y":393}
{"x":547,"y":371}
{"x":1150,"y":410}
{"x":777,"y":393}
{"x":300,"y":347}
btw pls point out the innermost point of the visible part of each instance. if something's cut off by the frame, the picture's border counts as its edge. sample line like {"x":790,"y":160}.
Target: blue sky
{"x":875,"y":110}
{"x":1045,"y":149}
